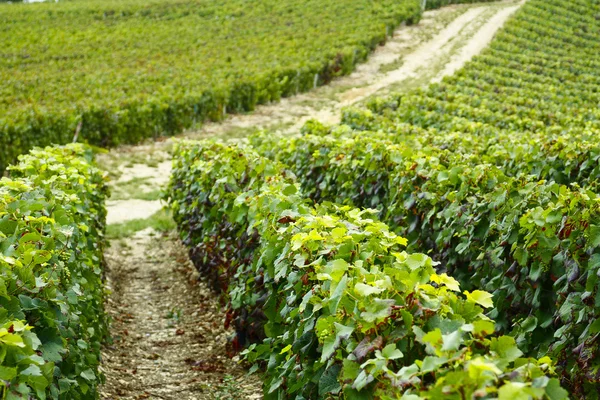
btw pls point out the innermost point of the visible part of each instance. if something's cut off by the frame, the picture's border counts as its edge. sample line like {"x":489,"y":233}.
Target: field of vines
{"x":440,"y":244}
{"x":113,"y":72}
{"x":106,"y":73}
{"x":121,"y":71}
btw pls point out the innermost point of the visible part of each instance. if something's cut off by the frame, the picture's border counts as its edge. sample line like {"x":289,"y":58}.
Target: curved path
{"x":168,"y":337}
{"x":442,"y":42}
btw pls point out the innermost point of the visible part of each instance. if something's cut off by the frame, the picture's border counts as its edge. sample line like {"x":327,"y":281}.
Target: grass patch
{"x":228,"y":390}
{"x":127,"y":156}
{"x":394,"y":65}
{"x":136,"y":188}
{"x":161,"y":221}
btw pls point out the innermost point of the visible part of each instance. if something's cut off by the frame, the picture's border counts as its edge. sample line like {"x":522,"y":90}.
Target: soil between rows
{"x":167,"y":326}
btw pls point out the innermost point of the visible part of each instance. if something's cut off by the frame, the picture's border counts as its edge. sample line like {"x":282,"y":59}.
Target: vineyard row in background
{"x":111,"y":72}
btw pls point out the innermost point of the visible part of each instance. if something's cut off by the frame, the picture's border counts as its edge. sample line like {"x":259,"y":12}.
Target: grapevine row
{"x":51,"y":293}
{"x":341,"y":308}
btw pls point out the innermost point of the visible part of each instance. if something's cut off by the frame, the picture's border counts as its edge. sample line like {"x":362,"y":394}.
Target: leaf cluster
{"x":51,"y":293}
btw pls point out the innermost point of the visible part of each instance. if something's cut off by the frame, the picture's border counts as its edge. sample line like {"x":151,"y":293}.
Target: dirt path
{"x":169,"y":340}
{"x":478,"y":42}
{"x":412,"y":57}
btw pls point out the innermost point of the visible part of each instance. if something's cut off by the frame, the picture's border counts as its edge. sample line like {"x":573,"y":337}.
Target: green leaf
{"x":362,"y":380}
{"x":431,"y":363}
{"x":391,"y":352}
{"x":7,"y":373}
{"x":594,"y":235}
{"x":433,"y":338}
{"x":350,"y":370}
{"x":88,"y":375}
{"x":452,"y":341}
{"x":521,"y":256}
{"x":483,"y":327}
{"x":12,"y":340}
{"x":548,"y":243}
{"x":290,"y":190}
{"x":506,"y":348}
{"x":31,"y":340}
{"x":3,"y":290}
{"x":594,"y":262}
{"x":337,"y":294}
{"x":377,"y":309}
{"x":28,"y":303}
{"x":337,"y":268}
{"x":366,"y":290}
{"x":554,"y":217}
{"x":416,"y":261}
{"x":353,"y":394}
{"x":332,"y":342}
{"x":480,"y":365}
{"x":480,"y":297}
{"x":286,"y":349}
{"x":275,"y":384}
{"x":529,"y":324}
{"x":41,"y":256}
{"x":32,"y":370}
{"x":595,"y":327}
{"x":52,"y":351}
{"x":342,"y":331}
{"x":554,"y":391}
{"x":329,"y":383}
{"x":446,"y":280}
{"x":513,"y":391}
{"x":407,"y":373}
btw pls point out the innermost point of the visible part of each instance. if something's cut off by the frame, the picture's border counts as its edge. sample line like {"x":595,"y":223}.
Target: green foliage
{"x":221,"y":248}
{"x":51,"y":240}
{"x":494,"y":173}
{"x":433,"y":4}
{"x":122,"y":71}
{"x":346,"y":311}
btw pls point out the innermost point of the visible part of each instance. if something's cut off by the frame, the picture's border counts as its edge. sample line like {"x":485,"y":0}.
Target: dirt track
{"x":167,"y":328}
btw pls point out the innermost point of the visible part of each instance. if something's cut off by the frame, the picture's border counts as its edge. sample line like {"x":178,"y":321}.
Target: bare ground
{"x":167,"y":327}
{"x":130,"y":209}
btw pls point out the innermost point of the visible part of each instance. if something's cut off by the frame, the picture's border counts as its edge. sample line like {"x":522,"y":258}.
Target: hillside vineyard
{"x":126,"y":71}
{"x":439,"y":243}
{"x":492,"y":173}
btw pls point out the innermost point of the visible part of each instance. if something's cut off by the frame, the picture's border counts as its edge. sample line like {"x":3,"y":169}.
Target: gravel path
{"x":169,"y":340}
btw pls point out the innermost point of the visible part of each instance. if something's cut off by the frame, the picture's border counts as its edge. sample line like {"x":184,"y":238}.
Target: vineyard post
{"x":77,"y":130}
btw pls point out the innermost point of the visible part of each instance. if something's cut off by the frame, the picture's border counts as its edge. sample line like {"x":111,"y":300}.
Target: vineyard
{"x":492,"y":173}
{"x":202,"y":61}
{"x":439,"y":243}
